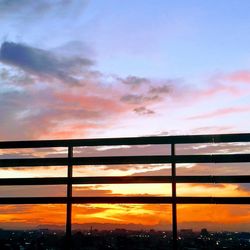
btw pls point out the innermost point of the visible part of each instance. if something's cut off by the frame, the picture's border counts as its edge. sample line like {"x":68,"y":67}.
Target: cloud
{"x":204,"y":170}
{"x":74,"y":48}
{"x":156,"y":215}
{"x":134,"y":81}
{"x":42,"y":63}
{"x":53,"y":113}
{"x":95,"y":190}
{"x":164,"y":89}
{"x":144,"y":111}
{"x":221,"y":83}
{"x":139,"y":99}
{"x":33,"y":191}
{"x":212,"y":130}
{"x":153,"y":91}
{"x":220,"y":112}
{"x":98,"y":102}
{"x":34,"y":75}
{"x":147,"y":94}
{"x":241,"y":76}
{"x":33,"y":9}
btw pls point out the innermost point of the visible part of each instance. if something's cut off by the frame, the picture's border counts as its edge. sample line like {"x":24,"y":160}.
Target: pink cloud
{"x":226,"y":83}
{"x":220,"y":112}
{"x":238,"y":76}
{"x":218,"y":88}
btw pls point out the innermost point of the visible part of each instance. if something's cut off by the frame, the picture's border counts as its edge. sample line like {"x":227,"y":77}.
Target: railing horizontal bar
{"x":214,"y":179}
{"x":160,"y":179}
{"x":213,"y":200}
{"x":126,"y":200}
{"x":218,"y":138}
{"x":24,"y":162}
{"x":116,"y":160}
{"x":218,"y":158}
{"x":125,"y":180}
{"x":121,"y":179}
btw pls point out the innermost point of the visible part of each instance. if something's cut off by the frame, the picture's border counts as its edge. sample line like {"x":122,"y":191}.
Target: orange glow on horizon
{"x":155,"y":216}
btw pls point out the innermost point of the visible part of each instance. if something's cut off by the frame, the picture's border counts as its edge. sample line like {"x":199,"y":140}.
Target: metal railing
{"x":173,"y":179}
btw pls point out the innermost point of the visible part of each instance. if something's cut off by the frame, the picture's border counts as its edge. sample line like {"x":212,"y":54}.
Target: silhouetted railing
{"x":172,"y":159}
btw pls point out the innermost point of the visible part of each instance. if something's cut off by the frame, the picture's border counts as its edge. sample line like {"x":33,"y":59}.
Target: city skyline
{"x":94,"y":69}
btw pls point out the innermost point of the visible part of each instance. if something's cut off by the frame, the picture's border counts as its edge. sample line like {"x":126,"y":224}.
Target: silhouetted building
{"x":204,"y":232}
{"x":187,"y":233}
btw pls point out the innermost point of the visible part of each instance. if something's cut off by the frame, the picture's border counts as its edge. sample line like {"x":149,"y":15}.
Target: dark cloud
{"x":38,"y":8}
{"x":152,"y":92}
{"x":134,"y":80}
{"x":160,"y":89}
{"x":144,"y":111}
{"x":42,"y":63}
{"x":11,"y":5}
{"x":138,"y":99}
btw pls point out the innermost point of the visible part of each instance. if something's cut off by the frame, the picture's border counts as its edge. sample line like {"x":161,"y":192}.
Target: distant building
{"x":120,"y":231}
{"x":186,"y":233}
{"x":204,"y":232}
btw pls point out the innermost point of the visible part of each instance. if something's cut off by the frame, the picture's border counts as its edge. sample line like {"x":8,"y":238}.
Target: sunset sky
{"x":88,"y":69}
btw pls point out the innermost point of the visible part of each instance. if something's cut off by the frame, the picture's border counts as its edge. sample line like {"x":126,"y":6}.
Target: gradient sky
{"x":84,"y":69}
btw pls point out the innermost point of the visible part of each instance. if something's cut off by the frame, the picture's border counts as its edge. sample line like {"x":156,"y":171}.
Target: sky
{"x":88,"y":69}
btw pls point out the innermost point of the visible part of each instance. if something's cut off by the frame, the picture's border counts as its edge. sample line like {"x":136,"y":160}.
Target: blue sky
{"x":173,"y":38}
{"x":195,"y":48}
{"x":152,"y":38}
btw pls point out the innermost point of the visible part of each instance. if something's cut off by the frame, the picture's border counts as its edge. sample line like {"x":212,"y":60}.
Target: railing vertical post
{"x":69,"y":196}
{"x":174,"y":212}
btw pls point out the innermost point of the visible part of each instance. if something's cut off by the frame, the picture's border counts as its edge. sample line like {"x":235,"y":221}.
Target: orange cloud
{"x":214,"y":217}
{"x":31,"y":216}
{"x":157,"y":216}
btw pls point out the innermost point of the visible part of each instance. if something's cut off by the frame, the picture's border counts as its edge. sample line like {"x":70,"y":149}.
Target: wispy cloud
{"x":220,"y":112}
{"x":241,"y":76}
